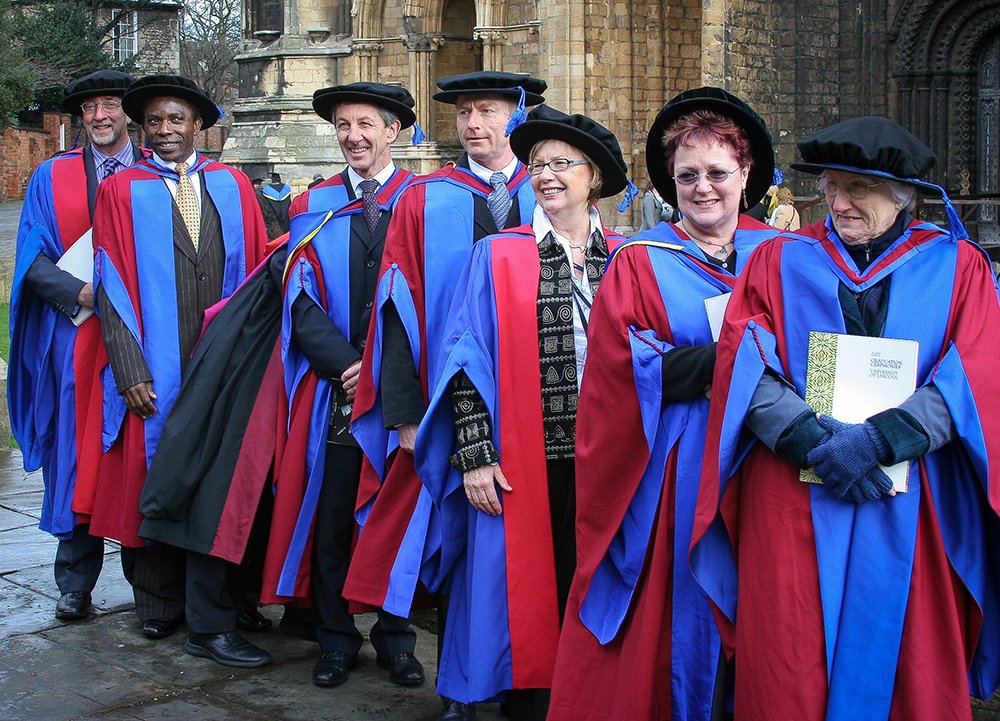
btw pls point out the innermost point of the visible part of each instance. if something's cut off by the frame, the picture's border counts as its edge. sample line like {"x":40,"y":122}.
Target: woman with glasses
{"x":639,"y":641}
{"x":496,"y":448}
{"x":854,"y":597}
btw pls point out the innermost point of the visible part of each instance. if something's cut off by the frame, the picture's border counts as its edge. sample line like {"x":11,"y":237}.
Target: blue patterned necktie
{"x":109,"y":167}
{"x":499,"y":201}
{"x":372,"y":212}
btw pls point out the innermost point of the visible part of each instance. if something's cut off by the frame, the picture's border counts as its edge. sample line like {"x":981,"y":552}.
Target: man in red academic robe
{"x":173,"y":235}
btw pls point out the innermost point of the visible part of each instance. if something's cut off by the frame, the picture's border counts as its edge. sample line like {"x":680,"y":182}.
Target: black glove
{"x":847,"y":461}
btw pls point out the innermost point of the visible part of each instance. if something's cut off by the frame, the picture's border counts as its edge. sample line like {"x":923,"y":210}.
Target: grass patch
{"x":5,"y":331}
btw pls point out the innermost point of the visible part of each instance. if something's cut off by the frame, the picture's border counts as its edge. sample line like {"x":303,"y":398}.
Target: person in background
{"x":784,"y":216}
{"x":55,"y":347}
{"x":639,"y":641}
{"x":655,"y":210}
{"x":850,"y":598}
{"x":275,"y":199}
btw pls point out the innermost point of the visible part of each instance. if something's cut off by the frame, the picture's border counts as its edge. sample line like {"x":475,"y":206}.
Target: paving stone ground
{"x":103,"y":668}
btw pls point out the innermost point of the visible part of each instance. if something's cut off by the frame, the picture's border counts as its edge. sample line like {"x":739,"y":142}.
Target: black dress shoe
{"x":457,"y":711}
{"x":73,"y":606}
{"x":333,"y":668}
{"x":157,"y":628}
{"x":228,"y":648}
{"x":404,"y":668}
{"x":252,"y":621}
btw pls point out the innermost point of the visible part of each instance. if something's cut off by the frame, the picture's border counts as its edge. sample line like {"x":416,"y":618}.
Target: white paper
{"x":78,"y":261}
{"x":715,"y":307}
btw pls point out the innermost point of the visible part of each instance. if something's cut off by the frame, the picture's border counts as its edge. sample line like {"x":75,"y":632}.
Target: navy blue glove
{"x":846,"y":459}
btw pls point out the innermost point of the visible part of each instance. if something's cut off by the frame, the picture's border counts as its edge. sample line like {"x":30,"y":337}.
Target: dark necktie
{"x":109,"y":167}
{"x":498,"y":200}
{"x":368,"y":197}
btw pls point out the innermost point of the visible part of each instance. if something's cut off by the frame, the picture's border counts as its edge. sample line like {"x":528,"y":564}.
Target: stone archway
{"x":937,"y":49}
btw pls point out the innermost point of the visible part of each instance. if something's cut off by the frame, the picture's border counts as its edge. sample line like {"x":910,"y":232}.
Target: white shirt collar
{"x":170,"y":165}
{"x":542,"y":226}
{"x":381,"y":177}
{"x":484,"y":173}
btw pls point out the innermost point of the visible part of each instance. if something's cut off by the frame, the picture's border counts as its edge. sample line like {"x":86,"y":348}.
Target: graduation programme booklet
{"x":853,"y":377}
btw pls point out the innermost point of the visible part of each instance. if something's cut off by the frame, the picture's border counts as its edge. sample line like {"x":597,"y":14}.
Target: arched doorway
{"x":459,"y":53}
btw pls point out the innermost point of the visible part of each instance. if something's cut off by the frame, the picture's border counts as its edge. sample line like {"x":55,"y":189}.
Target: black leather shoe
{"x":252,"y":621}
{"x":73,"y":606}
{"x":333,"y":668}
{"x":404,"y":668}
{"x":229,"y":649}
{"x":157,"y":628}
{"x":457,"y":711}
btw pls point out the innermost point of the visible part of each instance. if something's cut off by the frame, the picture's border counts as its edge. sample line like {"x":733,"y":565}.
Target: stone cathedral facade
{"x":932,"y":65}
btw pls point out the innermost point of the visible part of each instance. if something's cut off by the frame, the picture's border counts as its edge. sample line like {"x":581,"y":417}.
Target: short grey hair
{"x":388,"y":117}
{"x":904,"y":194}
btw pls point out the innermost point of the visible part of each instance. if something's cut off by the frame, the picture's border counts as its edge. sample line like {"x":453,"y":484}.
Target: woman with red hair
{"x":639,"y":640}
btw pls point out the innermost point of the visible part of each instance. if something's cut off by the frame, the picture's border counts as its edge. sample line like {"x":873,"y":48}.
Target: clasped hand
{"x":847,"y":460}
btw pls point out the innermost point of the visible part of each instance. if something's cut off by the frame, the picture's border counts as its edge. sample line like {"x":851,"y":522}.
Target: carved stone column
{"x":493,"y":43}
{"x":367,"y":52}
{"x":423,"y":70}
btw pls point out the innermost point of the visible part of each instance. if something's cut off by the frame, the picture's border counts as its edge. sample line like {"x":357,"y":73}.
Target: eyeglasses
{"x":108,"y":106}
{"x":714,"y":176}
{"x":556,"y":165}
{"x":857,"y":189}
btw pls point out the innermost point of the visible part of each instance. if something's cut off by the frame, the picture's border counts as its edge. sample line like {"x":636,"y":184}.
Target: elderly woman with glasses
{"x":639,"y":641}
{"x":496,"y":447}
{"x":854,"y":597}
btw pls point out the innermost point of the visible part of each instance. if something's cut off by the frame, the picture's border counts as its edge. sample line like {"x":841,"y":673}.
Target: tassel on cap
{"x":518,"y":116}
{"x":778,"y":177}
{"x":222,"y":112}
{"x":955,"y":224}
{"x":630,"y":194}
{"x":418,"y":134}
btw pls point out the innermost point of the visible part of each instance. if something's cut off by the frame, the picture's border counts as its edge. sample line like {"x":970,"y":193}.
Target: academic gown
{"x":499,"y":571}
{"x":133,"y":238}
{"x":318,"y":266}
{"x":433,"y":229}
{"x":835,"y":610}
{"x":53,"y":390}
{"x":639,"y":642}
{"x":216,"y":450}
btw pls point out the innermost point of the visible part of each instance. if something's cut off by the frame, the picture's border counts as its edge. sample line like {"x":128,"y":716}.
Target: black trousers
{"x":169,"y":583}
{"x":333,"y":536}
{"x":532,"y":704}
{"x":79,"y":560}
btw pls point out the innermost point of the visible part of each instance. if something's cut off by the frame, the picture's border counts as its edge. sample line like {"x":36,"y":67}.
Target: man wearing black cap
{"x":337,"y":234}
{"x":173,"y":235}
{"x":54,"y":344}
{"x":431,"y":235}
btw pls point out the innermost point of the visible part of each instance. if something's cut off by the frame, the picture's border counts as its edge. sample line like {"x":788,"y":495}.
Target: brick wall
{"x":22,"y":149}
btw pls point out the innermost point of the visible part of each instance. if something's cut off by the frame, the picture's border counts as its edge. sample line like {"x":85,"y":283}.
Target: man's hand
{"x":481,"y":488}
{"x":86,"y":296}
{"x":350,"y":378}
{"x":407,"y":436}
{"x":139,"y":400}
